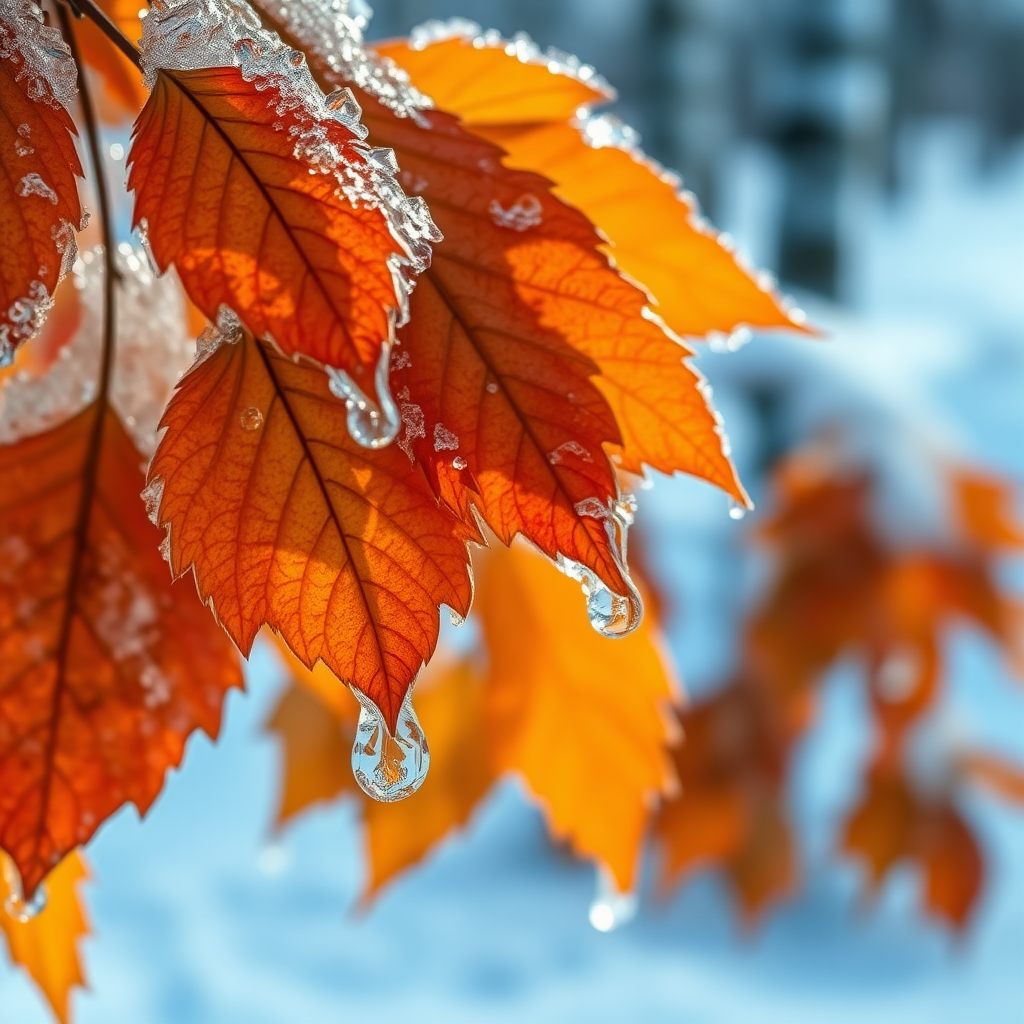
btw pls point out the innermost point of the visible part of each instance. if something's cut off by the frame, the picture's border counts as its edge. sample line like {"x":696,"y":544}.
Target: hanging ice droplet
{"x":610,"y":908}
{"x":737,"y":511}
{"x":612,"y":615}
{"x":16,"y":905}
{"x":389,"y":768}
{"x":371,"y":424}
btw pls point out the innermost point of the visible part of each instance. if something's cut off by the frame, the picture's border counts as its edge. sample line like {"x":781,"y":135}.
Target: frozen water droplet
{"x":457,"y":619}
{"x":459,"y":463}
{"x":371,"y":425}
{"x":612,"y":615}
{"x":33,"y":185}
{"x":16,"y":905}
{"x":492,"y":387}
{"x":610,"y":908}
{"x":251,"y":418}
{"x":116,"y":151}
{"x":525,"y":213}
{"x":444,"y":439}
{"x":737,"y":511}
{"x":388,"y":768}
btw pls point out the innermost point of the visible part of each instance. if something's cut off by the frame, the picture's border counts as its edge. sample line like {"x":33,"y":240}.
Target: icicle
{"x":16,"y":905}
{"x":612,"y":615}
{"x":371,"y":424}
{"x":610,"y":908}
{"x":388,"y":768}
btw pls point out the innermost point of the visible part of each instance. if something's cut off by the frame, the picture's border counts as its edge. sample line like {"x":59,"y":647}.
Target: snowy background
{"x":200,"y":919}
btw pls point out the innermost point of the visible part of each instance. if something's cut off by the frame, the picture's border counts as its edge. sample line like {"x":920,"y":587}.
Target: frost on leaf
{"x":98,"y":694}
{"x":152,"y":354}
{"x":39,"y":205}
{"x":325,"y":245}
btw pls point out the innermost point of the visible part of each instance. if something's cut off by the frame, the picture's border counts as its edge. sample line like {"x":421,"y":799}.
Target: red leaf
{"x":98,"y":693}
{"x":39,"y":205}
{"x":251,"y":221}
{"x":286,"y":521}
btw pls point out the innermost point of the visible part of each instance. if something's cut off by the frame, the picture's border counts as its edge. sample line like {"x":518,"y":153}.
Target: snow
{"x":202,"y":919}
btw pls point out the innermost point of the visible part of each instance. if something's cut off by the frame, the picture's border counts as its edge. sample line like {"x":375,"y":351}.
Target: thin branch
{"x":88,"y":9}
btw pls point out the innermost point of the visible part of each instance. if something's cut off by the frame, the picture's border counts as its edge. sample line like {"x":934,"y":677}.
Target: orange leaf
{"x":315,"y":751}
{"x":97,"y":692}
{"x":582,"y":719}
{"x":507,"y":328}
{"x":895,"y":822}
{"x":250,"y":220}
{"x":286,"y":521}
{"x":39,"y":205}
{"x":655,"y":238}
{"x":47,"y":945}
{"x":123,"y":92}
{"x":399,"y":835}
{"x":532,"y":110}
{"x":729,"y":810}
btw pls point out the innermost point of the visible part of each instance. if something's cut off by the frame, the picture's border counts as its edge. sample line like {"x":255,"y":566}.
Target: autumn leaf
{"x":287,"y":521}
{"x":315,"y":752}
{"x":895,"y":822}
{"x":232,"y":187}
{"x":39,"y":205}
{"x":97,"y":691}
{"x":541,"y":112}
{"x":123,"y":92}
{"x":585,"y":722}
{"x":46,"y":945}
{"x":538,"y":111}
{"x":729,"y":811}
{"x":499,"y":373}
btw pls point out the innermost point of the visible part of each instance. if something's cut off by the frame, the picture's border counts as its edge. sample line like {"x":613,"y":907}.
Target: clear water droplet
{"x":251,"y":418}
{"x":371,"y":424}
{"x":389,"y":768}
{"x":610,"y":908}
{"x":16,"y":905}
{"x":612,"y":615}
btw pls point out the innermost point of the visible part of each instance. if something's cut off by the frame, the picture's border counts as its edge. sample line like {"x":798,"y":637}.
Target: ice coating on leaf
{"x":189,"y":34}
{"x":389,"y":768}
{"x":45,"y":64}
{"x":612,"y":615}
{"x":520,"y":46}
{"x":333,"y":30}
{"x":569,"y":448}
{"x":33,"y":185}
{"x":525,"y":213}
{"x":153,"y":352}
{"x":444,"y":439}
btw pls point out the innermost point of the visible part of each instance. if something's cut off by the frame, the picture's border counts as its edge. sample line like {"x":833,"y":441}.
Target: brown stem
{"x":88,"y":9}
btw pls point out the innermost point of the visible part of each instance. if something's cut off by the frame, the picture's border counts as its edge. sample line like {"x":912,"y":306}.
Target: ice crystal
{"x":44,"y":63}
